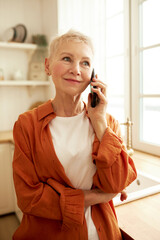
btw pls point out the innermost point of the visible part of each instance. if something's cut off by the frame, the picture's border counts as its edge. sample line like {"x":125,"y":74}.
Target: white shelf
{"x":14,"y":45}
{"x":24,"y":83}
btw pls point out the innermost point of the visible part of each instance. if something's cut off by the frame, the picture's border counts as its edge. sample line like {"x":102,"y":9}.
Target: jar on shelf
{"x":36,"y":69}
{"x":18,"y":75}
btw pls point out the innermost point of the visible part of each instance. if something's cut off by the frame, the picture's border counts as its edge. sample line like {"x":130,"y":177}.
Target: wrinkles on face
{"x":72,"y":61}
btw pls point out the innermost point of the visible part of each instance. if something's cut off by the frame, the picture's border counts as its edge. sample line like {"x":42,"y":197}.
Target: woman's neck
{"x":67,"y":106}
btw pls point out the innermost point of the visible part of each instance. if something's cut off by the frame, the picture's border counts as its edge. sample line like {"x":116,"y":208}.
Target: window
{"x":117,"y":59}
{"x":127,"y":42}
{"x":146,"y":75}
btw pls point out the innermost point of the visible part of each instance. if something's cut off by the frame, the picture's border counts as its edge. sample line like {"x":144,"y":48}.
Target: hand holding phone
{"x":94,"y":97}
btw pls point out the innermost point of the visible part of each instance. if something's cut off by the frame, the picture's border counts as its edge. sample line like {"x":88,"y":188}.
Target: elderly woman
{"x":69,"y":159}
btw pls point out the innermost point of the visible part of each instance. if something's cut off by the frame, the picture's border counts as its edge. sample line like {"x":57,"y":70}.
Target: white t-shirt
{"x":72,"y":139}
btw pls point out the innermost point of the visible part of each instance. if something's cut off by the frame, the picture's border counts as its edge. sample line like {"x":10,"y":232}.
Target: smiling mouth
{"x":71,"y":80}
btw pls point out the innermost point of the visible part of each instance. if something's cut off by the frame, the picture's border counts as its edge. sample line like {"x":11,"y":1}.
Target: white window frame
{"x":135,"y":83}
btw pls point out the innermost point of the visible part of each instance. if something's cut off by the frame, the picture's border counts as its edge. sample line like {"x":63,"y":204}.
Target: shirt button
{"x":99,"y":229}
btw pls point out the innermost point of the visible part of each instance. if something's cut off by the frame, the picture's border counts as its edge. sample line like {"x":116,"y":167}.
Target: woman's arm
{"x":115,"y":168}
{"x":97,"y":114}
{"x":96,"y":196}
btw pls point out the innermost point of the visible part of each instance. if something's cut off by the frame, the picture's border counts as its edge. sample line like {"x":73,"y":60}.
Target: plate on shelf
{"x":21,"y":33}
{"x":9,"y":34}
{"x":15,"y":34}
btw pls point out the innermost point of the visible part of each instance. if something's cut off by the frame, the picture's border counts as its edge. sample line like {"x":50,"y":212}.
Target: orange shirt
{"x":52,"y":208}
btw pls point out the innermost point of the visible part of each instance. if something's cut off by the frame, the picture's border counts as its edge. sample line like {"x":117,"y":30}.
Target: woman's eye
{"x":86,"y":63}
{"x":67,"y":59}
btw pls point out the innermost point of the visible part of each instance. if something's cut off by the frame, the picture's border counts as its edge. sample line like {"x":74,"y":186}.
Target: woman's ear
{"x":47,"y":67}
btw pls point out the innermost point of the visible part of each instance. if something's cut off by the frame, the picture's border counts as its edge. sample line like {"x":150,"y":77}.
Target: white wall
{"x":39,"y":17}
{"x":27,"y":12}
{"x":49,"y":9}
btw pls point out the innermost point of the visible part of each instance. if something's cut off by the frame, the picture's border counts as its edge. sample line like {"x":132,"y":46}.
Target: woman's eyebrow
{"x":70,"y":54}
{"x":88,"y":58}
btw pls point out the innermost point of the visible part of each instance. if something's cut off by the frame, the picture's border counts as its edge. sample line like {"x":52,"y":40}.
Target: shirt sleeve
{"x":49,"y":199}
{"x":115,"y":168}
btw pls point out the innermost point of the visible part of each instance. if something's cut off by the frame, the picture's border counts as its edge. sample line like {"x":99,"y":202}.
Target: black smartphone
{"x":94,"y":97}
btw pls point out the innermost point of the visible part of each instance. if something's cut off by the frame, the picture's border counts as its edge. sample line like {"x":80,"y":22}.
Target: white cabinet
{"x":16,"y":208}
{"x":7,"y":200}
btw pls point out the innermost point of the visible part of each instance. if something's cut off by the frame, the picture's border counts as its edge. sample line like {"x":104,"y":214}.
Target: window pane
{"x":150,"y":22}
{"x":114,"y":7}
{"x":150,"y":120}
{"x":115,"y":59}
{"x":151,"y":71}
{"x":116,"y":108}
{"x":115,"y":35}
{"x":115,"y":75}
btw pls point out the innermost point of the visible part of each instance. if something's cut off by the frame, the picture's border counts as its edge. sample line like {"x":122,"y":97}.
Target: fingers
{"x":100,"y":89}
{"x":100,"y":94}
{"x":101,"y":86}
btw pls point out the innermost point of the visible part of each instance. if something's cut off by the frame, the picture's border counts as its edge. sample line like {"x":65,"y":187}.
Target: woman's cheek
{"x":57,"y":69}
{"x":88,"y":77}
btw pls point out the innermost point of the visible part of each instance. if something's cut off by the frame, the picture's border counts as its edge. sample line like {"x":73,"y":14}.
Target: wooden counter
{"x":6,"y":137}
{"x":141,"y":218}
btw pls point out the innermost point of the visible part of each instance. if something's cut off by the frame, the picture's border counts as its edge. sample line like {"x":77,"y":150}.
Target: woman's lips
{"x":72,"y":80}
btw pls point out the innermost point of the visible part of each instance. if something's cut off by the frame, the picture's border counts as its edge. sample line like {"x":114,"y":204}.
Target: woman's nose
{"x":75,"y":69}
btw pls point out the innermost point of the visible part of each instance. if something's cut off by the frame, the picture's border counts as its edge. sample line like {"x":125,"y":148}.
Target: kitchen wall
{"x":39,"y":17}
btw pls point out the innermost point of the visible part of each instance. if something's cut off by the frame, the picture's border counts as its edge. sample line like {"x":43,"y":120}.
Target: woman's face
{"x":71,"y":67}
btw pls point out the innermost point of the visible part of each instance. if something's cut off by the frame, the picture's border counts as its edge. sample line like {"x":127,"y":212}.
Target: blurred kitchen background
{"x":126,"y":37}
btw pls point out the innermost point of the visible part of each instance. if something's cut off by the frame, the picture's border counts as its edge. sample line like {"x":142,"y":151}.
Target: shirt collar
{"x":45,"y":109}
{"x":46,"y":112}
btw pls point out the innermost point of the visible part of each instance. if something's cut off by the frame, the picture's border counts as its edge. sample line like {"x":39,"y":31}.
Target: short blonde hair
{"x":71,"y":35}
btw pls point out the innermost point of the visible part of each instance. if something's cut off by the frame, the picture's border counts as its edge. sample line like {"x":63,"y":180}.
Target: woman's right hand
{"x":96,"y":196}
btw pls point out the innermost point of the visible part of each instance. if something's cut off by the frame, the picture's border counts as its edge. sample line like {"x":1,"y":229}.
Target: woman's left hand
{"x":97,"y":114}
{"x":123,"y":195}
